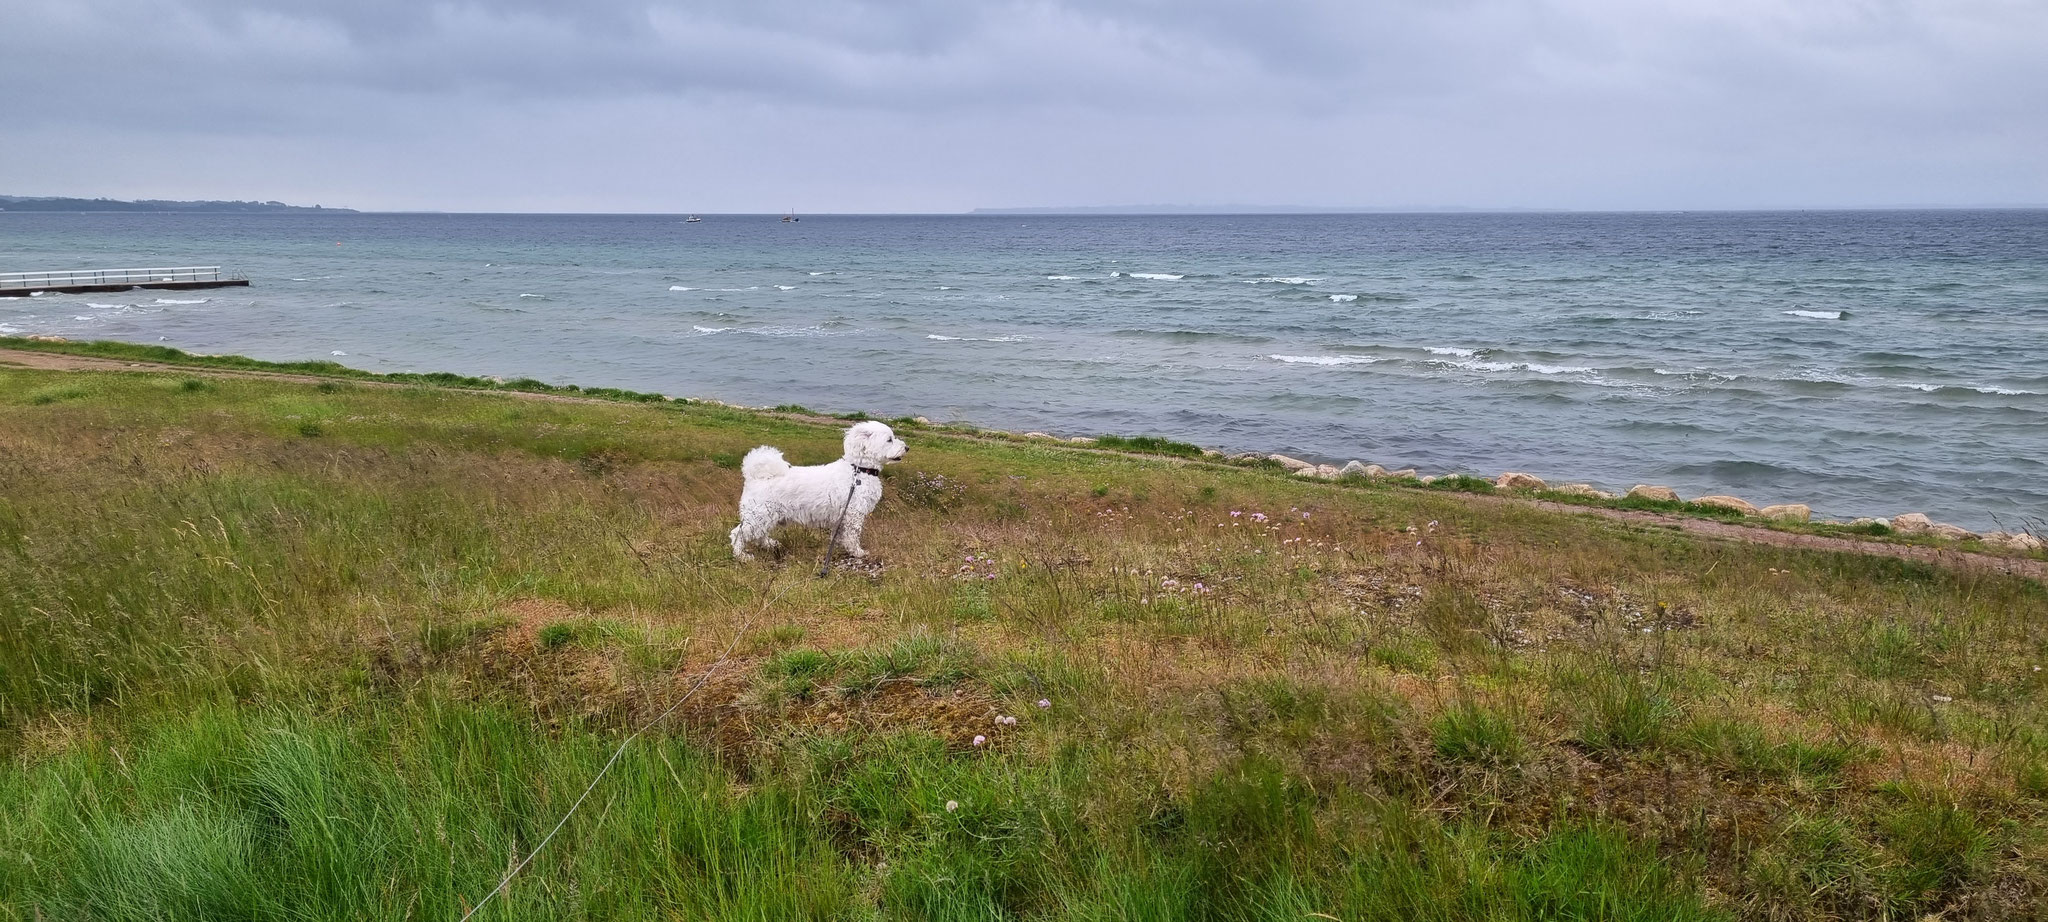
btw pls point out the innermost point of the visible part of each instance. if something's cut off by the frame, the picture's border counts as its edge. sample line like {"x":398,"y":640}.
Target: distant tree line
{"x":52,"y":203}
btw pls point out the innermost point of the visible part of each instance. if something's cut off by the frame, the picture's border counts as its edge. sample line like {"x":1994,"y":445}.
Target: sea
{"x":1867,"y":363}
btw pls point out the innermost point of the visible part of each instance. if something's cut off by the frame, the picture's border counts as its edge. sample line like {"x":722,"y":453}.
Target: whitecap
{"x":176,"y":301}
{"x":709,"y":330}
{"x":10,"y":330}
{"x":680,"y":288}
{"x":785,"y":288}
{"x":1342,"y":298}
{"x":975,"y":339}
{"x":534,"y":296}
{"x":818,"y":273}
{"x":81,"y":318}
{"x":1537,"y":367}
{"x":337,"y":352}
{"x":320,"y":278}
{"x":1062,"y":278}
{"x":946,"y":288}
{"x":1817,"y":315}
{"x":105,"y":307}
{"x":1324,"y":359}
{"x":1282,"y":280}
{"x":1450,"y":350}
{"x":1158,"y":276}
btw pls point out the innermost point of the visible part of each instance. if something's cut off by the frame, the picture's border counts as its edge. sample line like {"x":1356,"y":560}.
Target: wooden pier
{"x":73,"y":281}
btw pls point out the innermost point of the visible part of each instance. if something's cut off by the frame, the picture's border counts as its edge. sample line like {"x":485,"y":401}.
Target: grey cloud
{"x":1594,"y":103}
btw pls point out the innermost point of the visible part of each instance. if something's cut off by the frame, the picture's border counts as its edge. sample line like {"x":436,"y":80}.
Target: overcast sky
{"x":946,"y":105}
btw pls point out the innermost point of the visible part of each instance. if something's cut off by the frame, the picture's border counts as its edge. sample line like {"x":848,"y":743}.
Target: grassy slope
{"x":275,"y":649}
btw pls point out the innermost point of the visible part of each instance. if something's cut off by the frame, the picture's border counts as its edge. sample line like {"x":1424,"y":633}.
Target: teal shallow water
{"x":1867,"y":363}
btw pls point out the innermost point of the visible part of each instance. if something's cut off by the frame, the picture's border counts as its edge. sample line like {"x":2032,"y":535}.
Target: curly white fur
{"x":777,"y":492}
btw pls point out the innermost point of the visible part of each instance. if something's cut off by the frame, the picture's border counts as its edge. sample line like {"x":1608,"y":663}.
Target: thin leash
{"x":745,"y":626}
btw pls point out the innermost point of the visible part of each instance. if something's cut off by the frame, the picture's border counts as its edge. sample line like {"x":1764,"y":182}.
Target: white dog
{"x":776,"y":492}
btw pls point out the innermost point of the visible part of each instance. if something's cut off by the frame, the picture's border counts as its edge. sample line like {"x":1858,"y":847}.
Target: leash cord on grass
{"x":723,"y":658}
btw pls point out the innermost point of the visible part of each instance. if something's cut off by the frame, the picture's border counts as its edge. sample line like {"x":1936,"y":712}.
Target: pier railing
{"x":78,"y":278}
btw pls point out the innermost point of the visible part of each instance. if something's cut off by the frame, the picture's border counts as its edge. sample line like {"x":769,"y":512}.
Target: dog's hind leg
{"x":740,"y":535}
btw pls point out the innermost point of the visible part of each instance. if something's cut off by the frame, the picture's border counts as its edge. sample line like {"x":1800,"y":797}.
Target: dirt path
{"x":1726,"y":531}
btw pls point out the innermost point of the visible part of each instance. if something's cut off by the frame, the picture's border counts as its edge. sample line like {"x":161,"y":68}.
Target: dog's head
{"x":873,"y":444}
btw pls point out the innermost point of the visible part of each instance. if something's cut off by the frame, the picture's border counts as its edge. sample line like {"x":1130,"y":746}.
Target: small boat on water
{"x":693,"y":219}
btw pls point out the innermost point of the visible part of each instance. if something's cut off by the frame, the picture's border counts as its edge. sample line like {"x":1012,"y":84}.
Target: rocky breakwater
{"x":1910,"y":524}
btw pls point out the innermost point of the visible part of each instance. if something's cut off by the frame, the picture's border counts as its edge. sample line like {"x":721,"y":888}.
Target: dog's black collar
{"x":870,"y":471}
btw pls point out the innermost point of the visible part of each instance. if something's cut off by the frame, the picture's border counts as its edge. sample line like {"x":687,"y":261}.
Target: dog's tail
{"x":763,"y":463}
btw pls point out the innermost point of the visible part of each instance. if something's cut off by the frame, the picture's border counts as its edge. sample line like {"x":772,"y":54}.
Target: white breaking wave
{"x":320,"y":278}
{"x":1342,"y":298}
{"x":1061,"y":278}
{"x":688,"y":288}
{"x":337,"y":352}
{"x":534,"y":296}
{"x":1324,"y":359}
{"x":176,"y":301}
{"x":817,"y":273}
{"x":976,"y":339}
{"x":105,"y":307}
{"x":1282,"y":280}
{"x":1158,"y":276}
{"x":1817,"y":315}
{"x":1986,"y":389}
{"x":947,"y":288}
{"x":1450,"y":350}
{"x":785,"y":288}
{"x":81,"y":318}
{"x":773,"y":331}
{"x":1537,"y":367}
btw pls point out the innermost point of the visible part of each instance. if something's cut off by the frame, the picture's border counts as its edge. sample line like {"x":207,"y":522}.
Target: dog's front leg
{"x":849,"y":539}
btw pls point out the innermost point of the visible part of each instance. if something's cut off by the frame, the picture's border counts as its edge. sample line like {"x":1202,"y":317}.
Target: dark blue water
{"x":1867,"y":363}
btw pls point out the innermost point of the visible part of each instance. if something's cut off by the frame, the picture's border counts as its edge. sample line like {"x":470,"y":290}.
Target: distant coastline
{"x":1242,"y":210}
{"x":61,"y":203}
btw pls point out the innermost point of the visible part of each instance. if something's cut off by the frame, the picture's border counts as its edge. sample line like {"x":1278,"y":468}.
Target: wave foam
{"x":1158,"y":276}
{"x":176,"y":301}
{"x":1324,"y":359}
{"x":337,"y":352}
{"x":1062,"y":278}
{"x":709,"y":330}
{"x":688,"y":288}
{"x":1537,"y":367}
{"x":1818,"y":315}
{"x":1281,"y":280}
{"x":975,"y":339}
{"x":1342,"y":298}
{"x":1450,"y":350}
{"x":534,"y":296}
{"x":785,"y":288}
